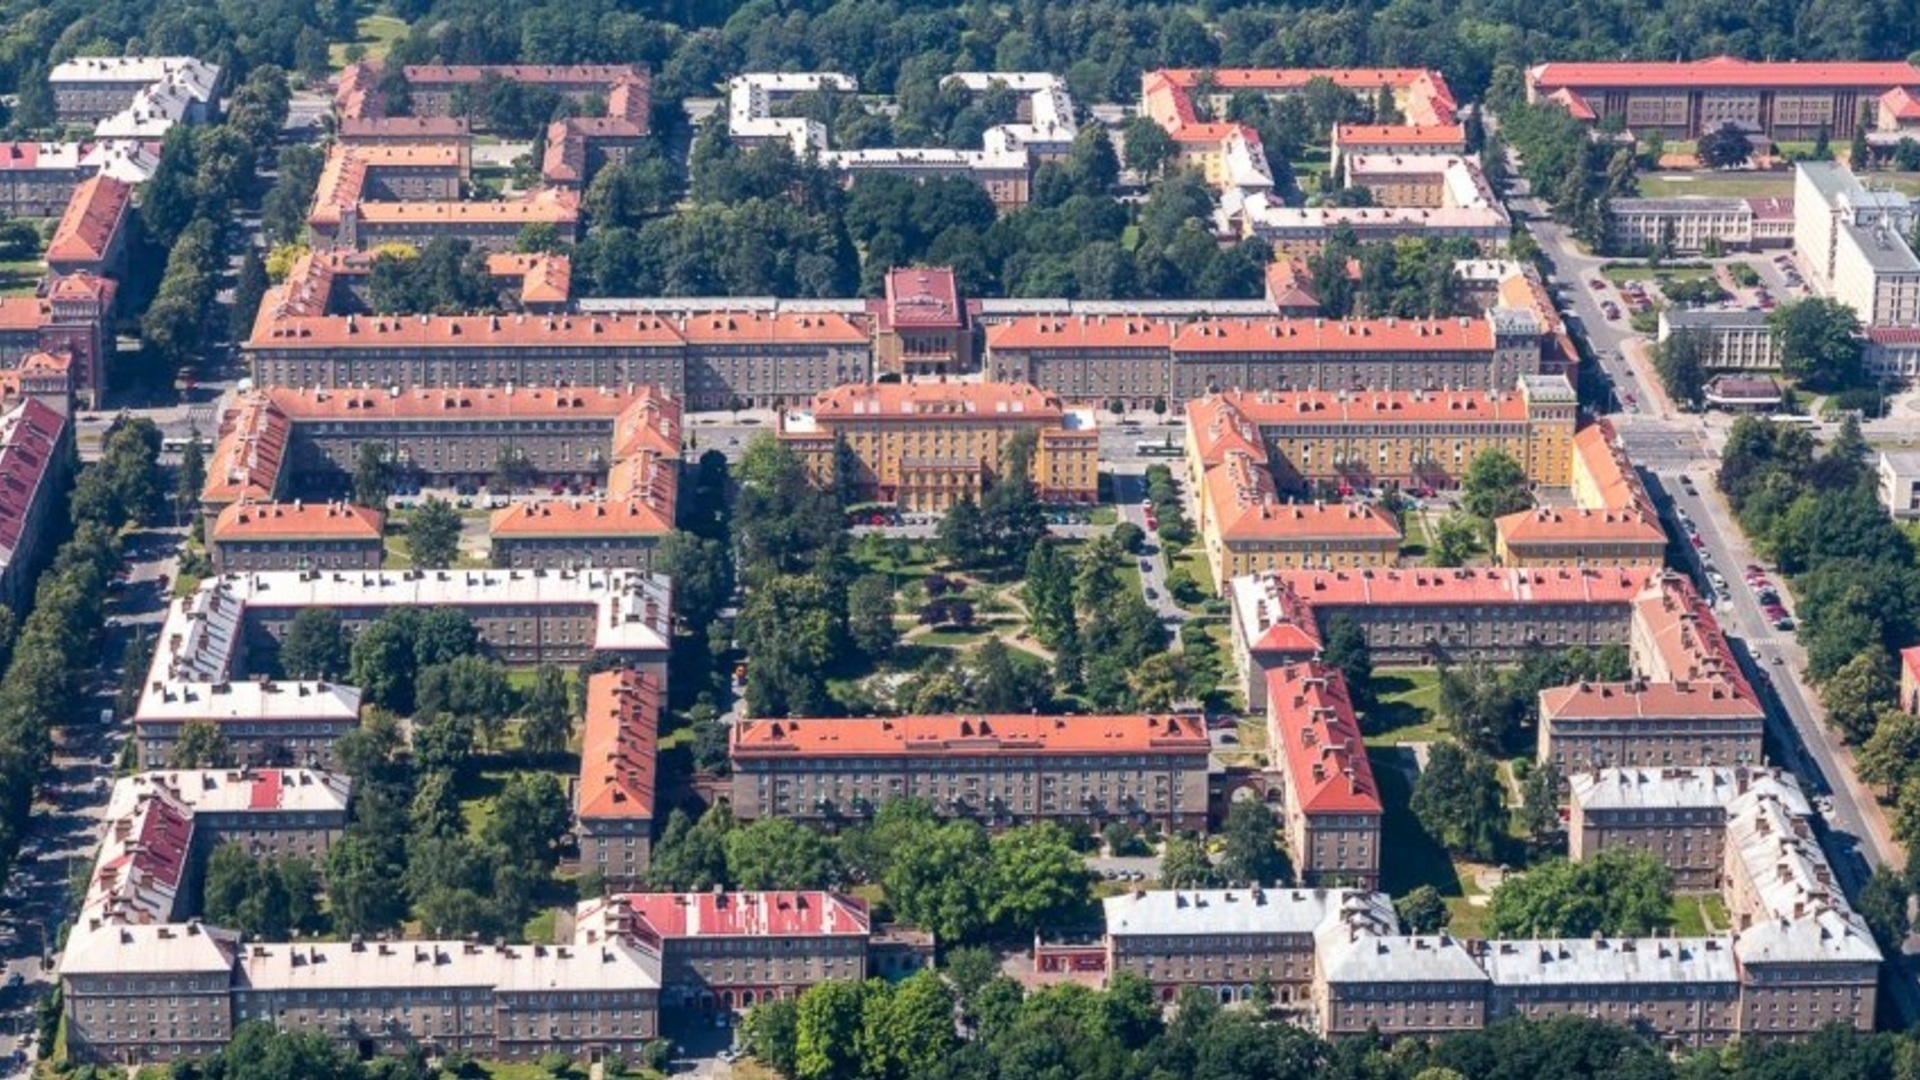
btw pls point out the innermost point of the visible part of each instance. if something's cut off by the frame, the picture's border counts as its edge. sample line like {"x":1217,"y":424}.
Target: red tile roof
{"x":1427,"y":99}
{"x":82,"y":286}
{"x":343,"y":176}
{"x":1722,"y":71}
{"x":1241,"y":497}
{"x":420,"y":128}
{"x":1643,"y":700}
{"x":1679,"y":634}
{"x":1081,"y":332}
{"x":298,"y":520}
{"x":1312,"y":733}
{"x":539,"y":74}
{"x":554,"y":206}
{"x":1449,"y":136}
{"x":30,"y":441}
{"x":1910,"y":664}
{"x":1290,"y":284}
{"x":22,"y":313}
{"x":253,"y":444}
{"x":924,"y":297}
{"x":544,"y":278}
{"x":94,"y":216}
{"x":1334,"y":335}
{"x":1294,"y":408}
{"x":763,"y":328}
{"x":617,"y":746}
{"x":882,"y":737}
{"x":651,"y":422}
{"x":749,"y":914}
{"x":1555,"y":525}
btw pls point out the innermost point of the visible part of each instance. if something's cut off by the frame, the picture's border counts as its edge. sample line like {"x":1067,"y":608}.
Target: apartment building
{"x":91,"y":236}
{"x":1899,"y":482}
{"x":1095,"y":359}
{"x":36,"y":457}
{"x":250,"y":536}
{"x":1613,"y":522}
{"x":730,"y":951}
{"x":1245,"y":528}
{"x":1415,"y":617}
{"x":489,"y":226}
{"x":1852,"y":238}
{"x":614,"y":799}
{"x":90,"y":89}
{"x":216,"y":646}
{"x":926,"y":446}
{"x":273,"y":813}
{"x":447,"y":89}
{"x":778,"y":360}
{"x":1683,"y":992}
{"x":1684,"y":225}
{"x":1227,"y":942}
{"x":1736,"y":340}
{"x":1401,"y":179}
{"x":1307,"y":230}
{"x":1395,"y":984}
{"x":1042,"y":130}
{"x":1412,"y":438}
{"x":338,"y":281}
{"x":578,"y":147}
{"x":1689,"y":704}
{"x":37,"y":179}
{"x":280,"y":439}
{"x":1354,"y":140}
{"x":1679,"y":816}
{"x":621,"y":528}
{"x":1001,"y":770}
{"x":388,"y":130}
{"x":1785,"y":100}
{"x":922,"y":328}
{"x":357,"y":174}
{"x":1329,"y":802}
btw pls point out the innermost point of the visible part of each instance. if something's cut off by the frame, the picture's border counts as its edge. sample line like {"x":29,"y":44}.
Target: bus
{"x":1165,"y":448}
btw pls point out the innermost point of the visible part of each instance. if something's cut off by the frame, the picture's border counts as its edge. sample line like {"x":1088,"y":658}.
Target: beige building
{"x":1329,"y":802}
{"x":1612,"y":522}
{"x":1245,"y":528}
{"x":296,"y":536}
{"x":926,"y":446}
{"x":614,"y":798}
{"x":1736,"y":340}
{"x":1001,"y":770}
{"x":1412,"y":438}
{"x":1683,"y":225}
{"x":1682,"y":993}
{"x":1853,"y":241}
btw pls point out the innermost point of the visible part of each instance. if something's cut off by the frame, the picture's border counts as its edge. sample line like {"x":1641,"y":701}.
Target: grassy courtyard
{"x":374,"y":33}
{"x":1405,"y":699}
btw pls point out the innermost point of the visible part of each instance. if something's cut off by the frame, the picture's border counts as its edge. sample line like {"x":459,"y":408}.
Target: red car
{"x":1697,"y":542}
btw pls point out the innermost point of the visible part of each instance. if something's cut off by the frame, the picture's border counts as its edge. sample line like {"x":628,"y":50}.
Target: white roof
{"x":1181,"y":912}
{"x":262,"y":791}
{"x":187,"y":70}
{"x":1828,"y":935}
{"x":1374,"y":958}
{"x":1611,"y":961}
{"x":1702,"y":787}
{"x":131,"y":161}
{"x":617,"y":964}
{"x":185,"y":948}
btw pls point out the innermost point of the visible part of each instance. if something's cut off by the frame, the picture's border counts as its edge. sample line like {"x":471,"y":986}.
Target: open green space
{"x":1720,"y":185}
{"x":1404,"y":702}
{"x":1412,"y":857}
{"x":374,"y":33}
{"x":21,"y":278}
{"x":1193,"y":560}
{"x":1619,"y":272}
{"x":1697,"y":915}
{"x":1414,"y":540}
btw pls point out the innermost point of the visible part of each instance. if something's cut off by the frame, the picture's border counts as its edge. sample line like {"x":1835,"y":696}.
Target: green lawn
{"x":1413,"y":540}
{"x":21,"y":278}
{"x":952,"y":639}
{"x":1641,"y":272}
{"x":1403,"y":709}
{"x":1104,"y":515}
{"x":1722,"y":185}
{"x":539,"y":929}
{"x":376,"y":33}
{"x":1415,"y":858}
{"x":1193,"y":559}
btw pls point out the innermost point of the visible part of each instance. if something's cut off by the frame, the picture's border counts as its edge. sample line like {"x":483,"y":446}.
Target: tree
{"x":938,"y":881}
{"x":1091,"y":164}
{"x":961,"y":535}
{"x":202,"y":745}
{"x":1184,"y":864}
{"x":1883,"y":903}
{"x":315,"y":646}
{"x":471,"y":688}
{"x":1539,"y":813}
{"x":1495,"y":485}
{"x":1036,"y":879}
{"x":1460,"y":801}
{"x":827,"y":1030}
{"x":1724,"y":148}
{"x":770,"y":1032}
{"x":1855,"y":694}
{"x":372,"y":477}
{"x":914,"y":1026}
{"x":433,"y":534}
{"x":870,"y":616}
{"x":1422,"y":911}
{"x":1251,"y":853}
{"x":1890,"y":754}
{"x":192,"y":474}
{"x":775,"y":853}
{"x":1859,"y":155}
{"x":528,"y":818}
{"x":1455,"y":540}
{"x":691,"y":855}
{"x":1618,"y":891}
{"x":1818,"y":341}
{"x":381,"y":664}
{"x":1344,"y":648}
{"x":1148,"y":147}
{"x":1681,"y":362}
{"x":548,"y":712}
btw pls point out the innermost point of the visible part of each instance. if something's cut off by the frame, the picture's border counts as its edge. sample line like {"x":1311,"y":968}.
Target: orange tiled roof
{"x":1334,"y":335}
{"x":1290,"y":283}
{"x":759,"y":327}
{"x":1900,"y":102}
{"x":1722,"y":71}
{"x":1438,"y":135}
{"x":22,"y":313}
{"x":923,"y":296}
{"x":1682,"y":634}
{"x":579,"y":517}
{"x":82,"y":286}
{"x":343,"y":176}
{"x":529,"y":402}
{"x":357,"y":94}
{"x":617,"y":745}
{"x":545,"y":278}
{"x":650,"y":423}
{"x":1642,"y":700}
{"x":1427,"y":101}
{"x":946,"y":400}
{"x":1081,"y":332}
{"x":541,"y":74}
{"x":253,"y":444}
{"x":1216,"y":430}
{"x":93,"y":218}
{"x":556,"y":206}
{"x":421,"y":128}
{"x":1607,"y":466}
{"x":1243,"y":500}
{"x":1312,"y":732}
{"x":1552,"y":525}
{"x":876,"y":736}
{"x":298,"y":520}
{"x":1910,"y":662}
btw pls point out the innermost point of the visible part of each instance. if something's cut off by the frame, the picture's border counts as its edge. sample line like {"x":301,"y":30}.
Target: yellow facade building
{"x":1245,"y":528}
{"x":925,"y":446}
{"x":1613,"y":522}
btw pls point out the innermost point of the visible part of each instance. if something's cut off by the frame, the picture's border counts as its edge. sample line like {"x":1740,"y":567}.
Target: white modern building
{"x":1853,"y":240}
{"x":1899,"y":472}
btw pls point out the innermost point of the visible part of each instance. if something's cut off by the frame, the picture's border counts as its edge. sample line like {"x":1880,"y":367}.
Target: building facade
{"x":613,"y":801}
{"x":1735,"y":340}
{"x":926,"y":446}
{"x":296,"y":536}
{"x":1330,"y":805}
{"x":1687,"y":99}
{"x":1000,"y":770}
{"x":1613,"y":522}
